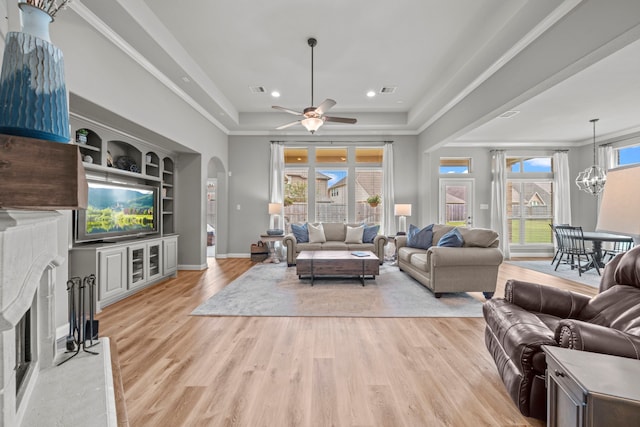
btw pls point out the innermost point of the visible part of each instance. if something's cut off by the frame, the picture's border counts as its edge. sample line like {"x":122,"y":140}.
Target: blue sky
{"x":336,"y":175}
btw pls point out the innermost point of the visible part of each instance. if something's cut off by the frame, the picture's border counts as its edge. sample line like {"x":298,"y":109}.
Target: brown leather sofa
{"x":531,"y":315}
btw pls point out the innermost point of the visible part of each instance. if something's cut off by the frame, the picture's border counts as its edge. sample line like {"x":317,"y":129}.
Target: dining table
{"x":597,"y":237}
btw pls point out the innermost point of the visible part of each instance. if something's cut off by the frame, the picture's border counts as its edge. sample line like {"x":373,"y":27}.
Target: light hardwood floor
{"x":182,"y":370}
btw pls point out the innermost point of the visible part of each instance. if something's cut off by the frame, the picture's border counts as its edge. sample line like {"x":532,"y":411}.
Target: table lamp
{"x":621,"y":203}
{"x":402,"y":211}
{"x":274,"y":211}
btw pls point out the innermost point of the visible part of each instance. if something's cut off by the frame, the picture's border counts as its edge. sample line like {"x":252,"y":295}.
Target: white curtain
{"x":561,"y":188}
{"x":388,"y":228}
{"x":606,"y":159}
{"x":499,"y":199}
{"x":276,"y":177}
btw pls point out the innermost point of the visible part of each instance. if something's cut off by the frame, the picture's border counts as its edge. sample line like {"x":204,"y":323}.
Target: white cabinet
{"x":145,"y":263}
{"x":170,"y":249}
{"x":125,"y":267}
{"x":112,"y":277}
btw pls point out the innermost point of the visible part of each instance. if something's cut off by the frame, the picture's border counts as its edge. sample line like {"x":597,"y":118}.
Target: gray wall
{"x":249,"y":184}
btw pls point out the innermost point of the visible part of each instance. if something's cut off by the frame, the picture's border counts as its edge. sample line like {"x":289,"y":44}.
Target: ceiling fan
{"x":314,"y":116}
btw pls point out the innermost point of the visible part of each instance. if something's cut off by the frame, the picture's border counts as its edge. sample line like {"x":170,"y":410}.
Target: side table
{"x":271,"y":242}
{"x":591,"y":389}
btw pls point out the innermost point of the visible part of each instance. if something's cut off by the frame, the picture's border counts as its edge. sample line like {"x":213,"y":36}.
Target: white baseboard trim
{"x":61,"y":332}
{"x":530,"y":255}
{"x":239,"y":255}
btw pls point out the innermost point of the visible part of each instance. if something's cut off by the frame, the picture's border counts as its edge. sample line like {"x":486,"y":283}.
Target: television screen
{"x":117,"y":210}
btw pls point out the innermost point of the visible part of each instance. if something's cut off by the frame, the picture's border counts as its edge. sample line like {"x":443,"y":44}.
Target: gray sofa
{"x":471,"y":268}
{"x":335,"y":233}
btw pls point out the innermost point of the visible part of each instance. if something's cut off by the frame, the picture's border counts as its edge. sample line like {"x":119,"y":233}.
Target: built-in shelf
{"x":167,"y":213}
{"x":168,"y":172}
{"x":116,"y":171}
{"x":86,"y":147}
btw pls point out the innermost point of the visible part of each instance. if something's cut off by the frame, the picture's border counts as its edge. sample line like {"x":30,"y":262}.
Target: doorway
{"x":456,"y":201}
{"x":212,"y":209}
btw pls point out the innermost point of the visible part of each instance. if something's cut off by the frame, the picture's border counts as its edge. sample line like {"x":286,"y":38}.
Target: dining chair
{"x":559,"y":250}
{"x":571,"y":240}
{"x":618,"y":248}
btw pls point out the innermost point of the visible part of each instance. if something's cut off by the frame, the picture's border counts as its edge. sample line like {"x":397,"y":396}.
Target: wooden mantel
{"x":41,"y":175}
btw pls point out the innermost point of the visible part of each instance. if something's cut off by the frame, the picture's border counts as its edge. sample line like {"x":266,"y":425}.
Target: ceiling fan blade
{"x":288,"y":125}
{"x":339,"y":119}
{"x":286,"y":110}
{"x":325,"y":106}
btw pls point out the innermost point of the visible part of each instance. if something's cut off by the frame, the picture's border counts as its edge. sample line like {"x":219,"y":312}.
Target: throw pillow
{"x":420,"y":238}
{"x":452,"y":239}
{"x":316,"y":234}
{"x":370,"y":233}
{"x":354,"y":234}
{"x":300,"y":232}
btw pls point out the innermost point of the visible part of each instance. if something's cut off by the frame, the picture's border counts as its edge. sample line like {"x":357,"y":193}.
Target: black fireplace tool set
{"x":83,"y":331}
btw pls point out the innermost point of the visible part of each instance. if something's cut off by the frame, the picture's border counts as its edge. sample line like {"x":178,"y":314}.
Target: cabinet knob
{"x":558,"y":373}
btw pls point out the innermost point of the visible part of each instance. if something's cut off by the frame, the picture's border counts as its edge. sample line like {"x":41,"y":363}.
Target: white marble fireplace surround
{"x":29,"y":256}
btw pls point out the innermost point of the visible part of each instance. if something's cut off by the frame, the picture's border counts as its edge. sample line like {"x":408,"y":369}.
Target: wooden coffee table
{"x":337,"y":264}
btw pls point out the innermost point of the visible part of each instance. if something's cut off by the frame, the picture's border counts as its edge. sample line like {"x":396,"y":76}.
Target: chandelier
{"x":592,"y":179}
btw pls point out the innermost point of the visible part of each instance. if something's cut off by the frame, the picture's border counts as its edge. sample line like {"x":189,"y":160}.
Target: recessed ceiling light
{"x":275,"y":94}
{"x":508,"y":114}
{"x":399,"y":102}
{"x":371,"y":94}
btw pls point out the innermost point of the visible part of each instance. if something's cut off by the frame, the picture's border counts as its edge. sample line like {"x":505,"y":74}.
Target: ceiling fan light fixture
{"x":312,"y":124}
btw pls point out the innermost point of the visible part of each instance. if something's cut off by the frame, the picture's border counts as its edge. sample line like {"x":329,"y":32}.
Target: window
{"x":529,"y":164}
{"x":331,"y":155}
{"x":450,"y":165}
{"x":368,"y":183}
{"x":331,"y":195}
{"x":530,"y":200}
{"x":628,"y":155}
{"x":344,"y":178}
{"x":529,"y":211}
{"x":295,"y":195}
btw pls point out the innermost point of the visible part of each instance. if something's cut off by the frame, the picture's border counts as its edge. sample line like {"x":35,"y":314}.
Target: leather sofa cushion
{"x":618,"y":307}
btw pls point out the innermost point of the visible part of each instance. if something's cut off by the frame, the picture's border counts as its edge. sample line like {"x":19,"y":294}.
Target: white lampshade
{"x":621,"y":203}
{"x":312,"y":124}
{"x":274,"y":208}
{"x":402,"y":209}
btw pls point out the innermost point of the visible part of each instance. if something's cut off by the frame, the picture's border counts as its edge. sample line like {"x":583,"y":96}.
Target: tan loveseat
{"x":335,"y":234}
{"x":471,"y":268}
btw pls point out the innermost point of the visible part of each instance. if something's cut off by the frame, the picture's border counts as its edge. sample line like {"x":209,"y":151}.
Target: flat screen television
{"x":117,"y":211}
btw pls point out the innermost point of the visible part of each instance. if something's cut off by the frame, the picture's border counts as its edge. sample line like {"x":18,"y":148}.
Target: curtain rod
{"x":334,"y":142}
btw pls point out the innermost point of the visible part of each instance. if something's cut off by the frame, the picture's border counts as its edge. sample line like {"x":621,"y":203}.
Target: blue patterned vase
{"x":33,"y":94}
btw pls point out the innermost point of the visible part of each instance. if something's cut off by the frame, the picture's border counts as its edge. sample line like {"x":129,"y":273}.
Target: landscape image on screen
{"x":113,"y":209}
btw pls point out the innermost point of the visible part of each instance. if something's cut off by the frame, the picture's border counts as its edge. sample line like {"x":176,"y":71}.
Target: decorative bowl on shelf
{"x":275,"y":232}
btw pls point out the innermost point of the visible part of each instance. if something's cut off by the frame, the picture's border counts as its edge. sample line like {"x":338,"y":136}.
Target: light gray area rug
{"x":275,"y":290}
{"x":564,"y":271}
